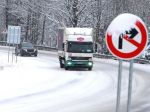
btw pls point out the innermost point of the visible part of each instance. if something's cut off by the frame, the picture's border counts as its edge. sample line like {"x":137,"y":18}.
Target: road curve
{"x":44,"y":87}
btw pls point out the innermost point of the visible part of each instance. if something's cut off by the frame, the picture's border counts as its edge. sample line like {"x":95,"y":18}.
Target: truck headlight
{"x":90,"y":63}
{"x":69,"y":63}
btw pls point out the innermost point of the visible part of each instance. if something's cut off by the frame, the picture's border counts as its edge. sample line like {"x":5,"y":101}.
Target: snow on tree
{"x":40,"y":19}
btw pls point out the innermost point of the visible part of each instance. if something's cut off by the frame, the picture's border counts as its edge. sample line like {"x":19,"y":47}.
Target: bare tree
{"x":40,"y":19}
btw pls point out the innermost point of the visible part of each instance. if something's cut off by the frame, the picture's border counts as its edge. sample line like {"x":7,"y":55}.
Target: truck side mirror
{"x":95,"y":47}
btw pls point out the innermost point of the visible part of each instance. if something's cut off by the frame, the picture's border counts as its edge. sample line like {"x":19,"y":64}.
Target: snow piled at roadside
{"x":4,"y":62}
{"x":35,"y":75}
{"x":143,"y":67}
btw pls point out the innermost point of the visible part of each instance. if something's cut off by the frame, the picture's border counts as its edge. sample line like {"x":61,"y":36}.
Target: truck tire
{"x":66,"y":68}
{"x":61,"y":64}
{"x":90,"y":68}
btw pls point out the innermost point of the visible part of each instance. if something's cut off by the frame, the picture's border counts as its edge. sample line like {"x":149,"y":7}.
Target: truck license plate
{"x":79,"y":62}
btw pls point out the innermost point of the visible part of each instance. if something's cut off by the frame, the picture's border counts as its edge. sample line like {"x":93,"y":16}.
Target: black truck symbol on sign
{"x":131,"y":34}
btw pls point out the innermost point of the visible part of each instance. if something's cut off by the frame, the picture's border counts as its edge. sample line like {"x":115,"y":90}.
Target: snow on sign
{"x":126,"y":36}
{"x":13,"y":36}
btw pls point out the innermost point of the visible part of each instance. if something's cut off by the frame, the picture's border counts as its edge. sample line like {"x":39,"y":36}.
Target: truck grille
{"x":80,"y":58}
{"x":79,"y":64}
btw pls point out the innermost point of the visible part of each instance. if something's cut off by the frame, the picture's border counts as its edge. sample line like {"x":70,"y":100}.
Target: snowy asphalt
{"x":37,"y":84}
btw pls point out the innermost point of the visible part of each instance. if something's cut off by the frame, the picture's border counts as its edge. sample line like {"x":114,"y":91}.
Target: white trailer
{"x":75,"y":47}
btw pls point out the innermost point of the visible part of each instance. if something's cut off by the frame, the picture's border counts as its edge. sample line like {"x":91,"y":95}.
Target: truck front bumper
{"x":86,"y":64}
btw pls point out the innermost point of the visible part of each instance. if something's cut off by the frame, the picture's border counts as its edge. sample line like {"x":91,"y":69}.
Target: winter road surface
{"x":37,"y":84}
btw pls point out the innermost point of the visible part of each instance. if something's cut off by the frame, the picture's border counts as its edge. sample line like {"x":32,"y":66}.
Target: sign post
{"x":13,"y":38}
{"x":130,"y":86}
{"x":126,"y":38}
{"x":119,"y":85}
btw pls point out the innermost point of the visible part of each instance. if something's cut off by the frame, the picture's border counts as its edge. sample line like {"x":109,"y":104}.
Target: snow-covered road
{"x":37,"y":84}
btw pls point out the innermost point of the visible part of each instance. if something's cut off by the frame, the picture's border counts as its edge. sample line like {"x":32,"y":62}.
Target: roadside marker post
{"x":126,"y":38}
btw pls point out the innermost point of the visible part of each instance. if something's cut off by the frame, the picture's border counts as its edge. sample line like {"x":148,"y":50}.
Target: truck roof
{"x":79,"y":31}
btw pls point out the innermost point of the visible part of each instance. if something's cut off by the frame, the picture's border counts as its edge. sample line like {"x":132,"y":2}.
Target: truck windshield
{"x":80,"y":47}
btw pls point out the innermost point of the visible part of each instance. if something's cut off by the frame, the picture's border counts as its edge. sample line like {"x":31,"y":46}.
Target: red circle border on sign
{"x":131,"y":54}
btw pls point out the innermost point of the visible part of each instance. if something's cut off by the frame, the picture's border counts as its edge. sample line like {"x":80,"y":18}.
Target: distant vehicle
{"x":75,"y":47}
{"x":26,"y":49}
{"x":147,"y":52}
{"x":149,"y":37}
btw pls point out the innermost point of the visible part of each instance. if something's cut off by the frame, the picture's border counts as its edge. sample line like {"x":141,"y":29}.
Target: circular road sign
{"x":126,"y":36}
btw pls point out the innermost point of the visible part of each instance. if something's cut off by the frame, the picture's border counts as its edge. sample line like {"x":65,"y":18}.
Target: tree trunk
{"x":75,"y":10}
{"x":27,"y":27}
{"x":98,"y":20}
{"x":43,"y":31}
{"x":7,"y":9}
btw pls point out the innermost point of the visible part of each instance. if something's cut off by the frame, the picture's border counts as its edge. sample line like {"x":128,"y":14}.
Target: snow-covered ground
{"x":37,"y":84}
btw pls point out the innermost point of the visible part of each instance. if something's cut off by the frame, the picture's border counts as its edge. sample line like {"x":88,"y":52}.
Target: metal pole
{"x":16,"y":45}
{"x":8,"y":42}
{"x":14,"y":34}
{"x":8,"y":51}
{"x":119,"y":86}
{"x":130,"y":86}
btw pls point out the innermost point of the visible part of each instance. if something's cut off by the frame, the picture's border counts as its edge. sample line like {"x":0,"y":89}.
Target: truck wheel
{"x":90,"y":68}
{"x":66,"y":68}
{"x":61,"y":64}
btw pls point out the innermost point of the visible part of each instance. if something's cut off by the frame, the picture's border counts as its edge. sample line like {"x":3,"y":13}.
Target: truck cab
{"x":77,"y":48}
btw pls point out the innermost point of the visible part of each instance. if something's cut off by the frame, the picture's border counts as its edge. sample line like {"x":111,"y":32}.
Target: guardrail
{"x":3,"y":43}
{"x":137,"y":60}
{"x":40,"y":47}
{"x":142,"y":61}
{"x":47,"y":48}
{"x":104,"y":56}
{"x":97,"y":55}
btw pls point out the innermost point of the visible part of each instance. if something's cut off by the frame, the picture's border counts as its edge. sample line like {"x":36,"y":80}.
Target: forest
{"x":40,"y":19}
